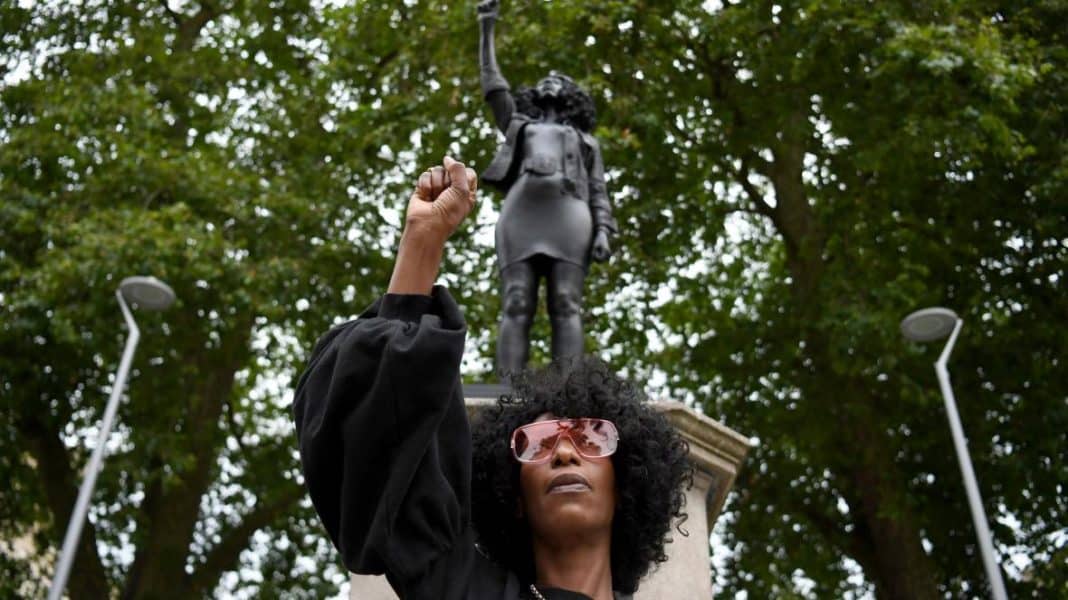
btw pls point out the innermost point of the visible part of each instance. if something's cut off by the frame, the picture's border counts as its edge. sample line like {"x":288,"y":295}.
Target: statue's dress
{"x":552,"y":175}
{"x":386,"y":450}
{"x":542,"y":212}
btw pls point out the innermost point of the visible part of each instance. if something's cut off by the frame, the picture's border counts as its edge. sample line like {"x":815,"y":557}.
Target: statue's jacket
{"x":583,"y":169}
{"x":385,"y":446}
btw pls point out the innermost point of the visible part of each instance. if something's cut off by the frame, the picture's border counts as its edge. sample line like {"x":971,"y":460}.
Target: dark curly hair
{"x":576,"y":106}
{"x":651,"y":467}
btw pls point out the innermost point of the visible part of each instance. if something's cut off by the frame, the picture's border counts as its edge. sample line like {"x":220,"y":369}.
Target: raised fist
{"x":442,"y":198}
{"x":487,"y":9}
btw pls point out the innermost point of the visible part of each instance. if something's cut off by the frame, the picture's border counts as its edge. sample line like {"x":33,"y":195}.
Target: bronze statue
{"x":556,"y":217}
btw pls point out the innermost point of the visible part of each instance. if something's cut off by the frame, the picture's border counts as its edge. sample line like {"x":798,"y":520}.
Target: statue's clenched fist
{"x":442,"y":198}
{"x":601,"y":250}
{"x":488,"y":9}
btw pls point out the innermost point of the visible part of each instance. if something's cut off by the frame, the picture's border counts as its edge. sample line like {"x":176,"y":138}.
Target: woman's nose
{"x":565,"y":453}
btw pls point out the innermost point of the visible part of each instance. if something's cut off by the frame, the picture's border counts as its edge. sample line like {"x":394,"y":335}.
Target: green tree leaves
{"x":790,"y":181}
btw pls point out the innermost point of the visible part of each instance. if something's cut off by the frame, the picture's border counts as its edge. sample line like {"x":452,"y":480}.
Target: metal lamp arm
{"x":971,"y":485}
{"x":952,"y":341}
{"x":85,"y":493}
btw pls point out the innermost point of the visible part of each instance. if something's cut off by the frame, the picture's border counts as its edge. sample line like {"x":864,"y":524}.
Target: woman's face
{"x":568,"y":493}
{"x":550,"y":88}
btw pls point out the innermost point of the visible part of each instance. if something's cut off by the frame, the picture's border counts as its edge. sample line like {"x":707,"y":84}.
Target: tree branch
{"x":174,"y":16}
{"x":189,"y":29}
{"x":224,"y":556}
{"x":762,"y":206}
{"x":686,"y":135}
{"x":743,"y":209}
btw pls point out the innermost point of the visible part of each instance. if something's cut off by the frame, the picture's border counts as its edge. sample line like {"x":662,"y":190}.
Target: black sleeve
{"x":384,"y":438}
{"x":600,"y":207}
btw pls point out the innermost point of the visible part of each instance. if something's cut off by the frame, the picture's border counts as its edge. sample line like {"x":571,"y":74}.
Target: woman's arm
{"x":495,"y":87}
{"x":379,"y":413}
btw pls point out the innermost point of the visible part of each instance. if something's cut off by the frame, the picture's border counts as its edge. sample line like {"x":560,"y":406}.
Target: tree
{"x":855,"y":161}
{"x":237,"y":151}
{"x":790,"y":181}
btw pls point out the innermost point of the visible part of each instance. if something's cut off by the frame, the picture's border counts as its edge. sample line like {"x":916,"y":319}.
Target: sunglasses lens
{"x":533,"y":444}
{"x":592,"y":438}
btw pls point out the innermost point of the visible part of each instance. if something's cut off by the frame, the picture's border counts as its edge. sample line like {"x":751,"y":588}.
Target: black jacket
{"x":585,"y":170}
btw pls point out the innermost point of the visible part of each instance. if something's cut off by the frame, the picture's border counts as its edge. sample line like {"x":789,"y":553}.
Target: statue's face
{"x":568,"y":494}
{"x":550,"y":87}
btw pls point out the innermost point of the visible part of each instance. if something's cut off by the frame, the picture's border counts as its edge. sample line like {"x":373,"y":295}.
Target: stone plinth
{"x":717,"y":453}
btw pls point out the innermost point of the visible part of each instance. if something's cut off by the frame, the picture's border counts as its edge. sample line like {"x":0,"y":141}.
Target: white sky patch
{"x":18,"y":73}
{"x":712,"y":6}
{"x":721,"y":553}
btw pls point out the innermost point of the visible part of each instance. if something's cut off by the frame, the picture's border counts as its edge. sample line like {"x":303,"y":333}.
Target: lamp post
{"x":931,"y":324}
{"x":148,"y":293}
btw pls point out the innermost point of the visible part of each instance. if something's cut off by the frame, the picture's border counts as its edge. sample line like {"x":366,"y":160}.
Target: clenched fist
{"x":487,"y":9}
{"x":442,"y":198}
{"x":601,"y":250}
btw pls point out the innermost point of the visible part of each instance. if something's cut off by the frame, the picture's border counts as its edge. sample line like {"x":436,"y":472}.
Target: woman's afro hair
{"x":651,"y":467}
{"x":576,"y":106}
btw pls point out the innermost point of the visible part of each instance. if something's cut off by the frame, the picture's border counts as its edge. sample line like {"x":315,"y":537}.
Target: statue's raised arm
{"x":495,"y":87}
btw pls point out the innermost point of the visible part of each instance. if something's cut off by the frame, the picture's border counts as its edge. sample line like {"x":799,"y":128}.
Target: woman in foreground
{"x":566,"y":490}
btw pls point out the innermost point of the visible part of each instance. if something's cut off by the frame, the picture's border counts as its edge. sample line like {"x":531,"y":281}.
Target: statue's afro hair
{"x":576,"y":106}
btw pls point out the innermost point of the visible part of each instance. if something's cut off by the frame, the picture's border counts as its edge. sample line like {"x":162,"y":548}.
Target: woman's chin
{"x":574,"y":512}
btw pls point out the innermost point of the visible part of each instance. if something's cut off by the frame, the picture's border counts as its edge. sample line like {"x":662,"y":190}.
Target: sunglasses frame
{"x":567,"y":432}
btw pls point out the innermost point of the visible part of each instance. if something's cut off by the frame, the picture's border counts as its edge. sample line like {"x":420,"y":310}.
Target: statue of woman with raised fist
{"x":556,"y":217}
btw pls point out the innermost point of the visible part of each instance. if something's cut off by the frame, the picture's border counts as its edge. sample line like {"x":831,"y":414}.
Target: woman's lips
{"x":568,"y":483}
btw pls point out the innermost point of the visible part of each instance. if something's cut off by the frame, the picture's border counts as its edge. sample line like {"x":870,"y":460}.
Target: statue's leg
{"x":519,"y":293}
{"x":565,"y":308}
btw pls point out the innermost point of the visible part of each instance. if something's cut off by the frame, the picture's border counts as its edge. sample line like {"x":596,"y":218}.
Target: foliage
{"x":855,"y":161}
{"x":790,"y":181}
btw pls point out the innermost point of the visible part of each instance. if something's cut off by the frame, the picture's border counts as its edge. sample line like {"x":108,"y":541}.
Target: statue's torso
{"x":543,"y":213}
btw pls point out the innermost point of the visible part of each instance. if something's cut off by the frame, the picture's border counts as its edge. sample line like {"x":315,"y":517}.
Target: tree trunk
{"x":887,"y":542}
{"x":898,"y":565}
{"x":877,"y":495}
{"x":87,"y":576}
{"x":171,"y":511}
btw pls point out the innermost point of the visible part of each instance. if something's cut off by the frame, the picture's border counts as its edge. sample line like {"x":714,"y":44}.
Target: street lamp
{"x":148,"y":293}
{"x":931,"y":324}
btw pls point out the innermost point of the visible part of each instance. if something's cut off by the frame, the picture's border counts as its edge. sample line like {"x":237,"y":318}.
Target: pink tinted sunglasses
{"x":592,"y":438}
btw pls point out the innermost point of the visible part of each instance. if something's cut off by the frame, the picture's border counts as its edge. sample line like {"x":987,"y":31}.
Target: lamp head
{"x":929,"y":324}
{"x":148,"y":292}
